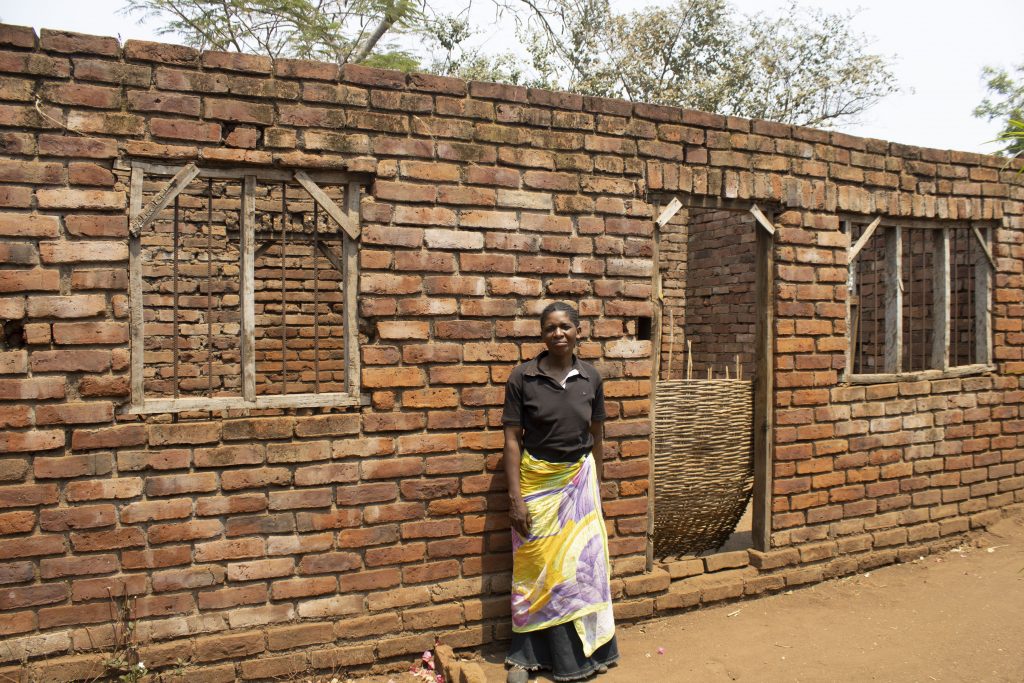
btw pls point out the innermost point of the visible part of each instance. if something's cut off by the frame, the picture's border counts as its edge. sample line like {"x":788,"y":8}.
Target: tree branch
{"x":366,"y":47}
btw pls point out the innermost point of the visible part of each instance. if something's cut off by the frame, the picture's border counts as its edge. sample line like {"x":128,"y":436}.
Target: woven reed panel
{"x":703,"y":462}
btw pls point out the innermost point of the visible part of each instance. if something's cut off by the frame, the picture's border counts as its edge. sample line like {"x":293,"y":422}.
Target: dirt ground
{"x":954,"y":616}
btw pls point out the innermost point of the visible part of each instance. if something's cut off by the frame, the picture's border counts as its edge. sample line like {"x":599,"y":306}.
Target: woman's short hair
{"x":568,"y":309}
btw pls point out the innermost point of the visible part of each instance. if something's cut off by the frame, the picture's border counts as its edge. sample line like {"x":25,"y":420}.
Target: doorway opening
{"x":712,"y":378}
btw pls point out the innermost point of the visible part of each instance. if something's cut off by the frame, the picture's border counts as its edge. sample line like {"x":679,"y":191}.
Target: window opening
{"x":243,"y":289}
{"x":188,"y":262}
{"x":918,"y":299}
{"x":918,"y":287}
{"x":867,"y":301}
{"x":299,"y":294}
{"x":963,"y":254}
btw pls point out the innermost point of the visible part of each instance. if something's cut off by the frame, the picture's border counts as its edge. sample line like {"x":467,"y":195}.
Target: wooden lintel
{"x":178,"y":183}
{"x":984,"y":245}
{"x":350,"y":227}
{"x":762,"y":220}
{"x":911,"y":223}
{"x":261,"y":174}
{"x":865,"y":236}
{"x":671,"y":210}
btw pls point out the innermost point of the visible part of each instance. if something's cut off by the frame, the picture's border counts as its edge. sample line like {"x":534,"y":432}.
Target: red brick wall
{"x":720,"y":297}
{"x":885,"y":465}
{"x":264,"y":544}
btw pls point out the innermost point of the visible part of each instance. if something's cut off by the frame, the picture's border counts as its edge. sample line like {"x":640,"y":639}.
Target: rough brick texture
{"x":706,"y":259}
{"x":256,"y":545}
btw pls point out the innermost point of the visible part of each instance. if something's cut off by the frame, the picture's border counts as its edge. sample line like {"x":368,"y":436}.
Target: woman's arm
{"x":517,"y":512}
{"x":597,"y":431}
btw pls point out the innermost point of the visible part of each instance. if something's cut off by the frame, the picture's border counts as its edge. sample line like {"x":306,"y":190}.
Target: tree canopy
{"x":339,"y":31}
{"x":806,"y":67}
{"x":1005,"y":103}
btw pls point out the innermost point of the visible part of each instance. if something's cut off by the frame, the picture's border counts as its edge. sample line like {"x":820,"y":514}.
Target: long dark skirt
{"x":559,"y":650}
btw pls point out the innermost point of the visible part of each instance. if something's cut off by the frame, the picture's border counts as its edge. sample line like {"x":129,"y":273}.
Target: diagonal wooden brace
{"x":328,"y":205}
{"x":178,"y":183}
{"x":335,"y":261}
{"x":671,"y":210}
{"x":864,"y":237}
{"x":762,"y":220}
{"x":984,"y":246}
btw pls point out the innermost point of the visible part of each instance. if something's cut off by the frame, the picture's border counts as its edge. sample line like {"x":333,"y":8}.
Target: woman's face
{"x":558,"y":332}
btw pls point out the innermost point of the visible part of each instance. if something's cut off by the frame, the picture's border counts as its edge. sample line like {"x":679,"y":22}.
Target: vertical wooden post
{"x":940,"y":301}
{"x":284,"y":287}
{"x":138,"y":347}
{"x":689,"y":359}
{"x":893,"y":299}
{"x":764,"y":393}
{"x":851,"y":289}
{"x":657,"y":302}
{"x":247,"y":294}
{"x":350,"y":279}
{"x":983,"y":277}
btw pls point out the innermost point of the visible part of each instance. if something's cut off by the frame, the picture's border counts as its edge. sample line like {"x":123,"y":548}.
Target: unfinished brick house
{"x":258,"y":317}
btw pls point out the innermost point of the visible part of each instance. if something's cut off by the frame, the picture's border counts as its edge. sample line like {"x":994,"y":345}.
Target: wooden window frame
{"x":984,"y":268}
{"x":347,"y":218}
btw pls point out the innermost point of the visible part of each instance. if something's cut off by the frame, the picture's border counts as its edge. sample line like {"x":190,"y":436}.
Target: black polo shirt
{"x":555,"y":421}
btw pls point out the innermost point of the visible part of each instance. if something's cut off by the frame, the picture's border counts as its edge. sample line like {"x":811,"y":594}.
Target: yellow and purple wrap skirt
{"x":561,"y":570}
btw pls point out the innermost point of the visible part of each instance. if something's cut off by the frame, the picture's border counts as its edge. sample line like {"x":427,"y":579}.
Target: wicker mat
{"x":703,"y":463}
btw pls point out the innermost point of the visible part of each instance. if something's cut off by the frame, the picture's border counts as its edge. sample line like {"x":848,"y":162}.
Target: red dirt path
{"x":954,"y":616}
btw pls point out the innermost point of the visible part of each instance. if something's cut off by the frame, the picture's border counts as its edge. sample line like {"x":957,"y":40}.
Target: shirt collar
{"x":532,"y":367}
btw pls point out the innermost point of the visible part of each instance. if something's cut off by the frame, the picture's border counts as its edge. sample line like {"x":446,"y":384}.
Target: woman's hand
{"x":519,"y":516}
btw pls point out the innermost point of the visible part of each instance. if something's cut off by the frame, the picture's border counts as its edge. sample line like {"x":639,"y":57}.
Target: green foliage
{"x":808,"y":67}
{"x":332,"y":30}
{"x":811,"y":70}
{"x":394,"y":59}
{"x":123,"y":663}
{"x":1005,"y":102}
{"x":1013,"y":136}
{"x":446,"y":39}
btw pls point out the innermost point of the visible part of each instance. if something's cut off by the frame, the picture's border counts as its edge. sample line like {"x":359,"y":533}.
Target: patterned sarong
{"x":560,"y":572}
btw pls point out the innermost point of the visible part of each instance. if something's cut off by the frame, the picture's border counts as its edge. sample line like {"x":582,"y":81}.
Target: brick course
{"x":337,"y":538}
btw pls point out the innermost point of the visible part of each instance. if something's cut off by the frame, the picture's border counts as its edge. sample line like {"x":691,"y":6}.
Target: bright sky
{"x":939,"y":48}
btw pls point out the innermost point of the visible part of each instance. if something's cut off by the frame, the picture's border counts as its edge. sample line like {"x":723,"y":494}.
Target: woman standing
{"x":554,"y":449}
